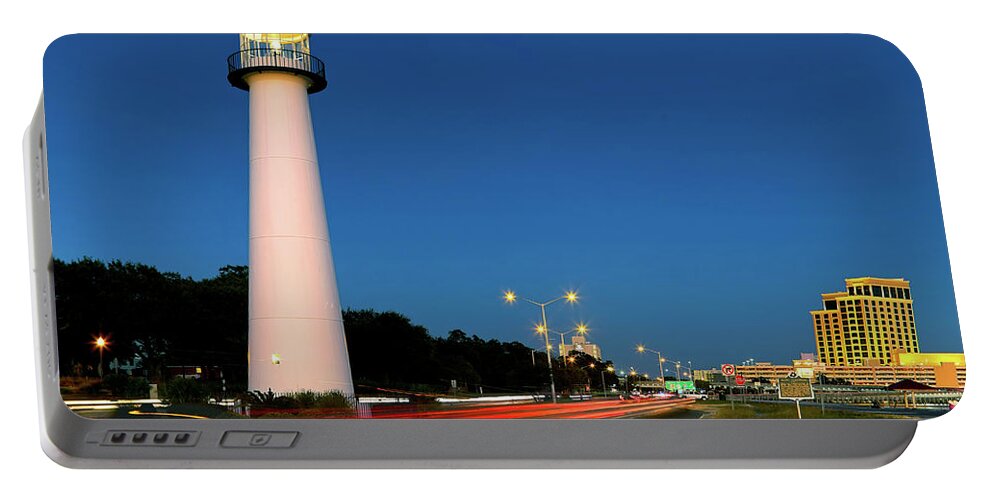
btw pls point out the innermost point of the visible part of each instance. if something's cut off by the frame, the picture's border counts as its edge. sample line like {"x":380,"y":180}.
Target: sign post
{"x":795,"y":388}
{"x":728,"y":371}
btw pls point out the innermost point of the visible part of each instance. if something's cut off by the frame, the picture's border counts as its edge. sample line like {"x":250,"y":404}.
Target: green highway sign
{"x":679,"y":385}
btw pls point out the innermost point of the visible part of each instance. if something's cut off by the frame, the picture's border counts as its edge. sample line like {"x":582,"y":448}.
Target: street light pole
{"x":570,"y":297}
{"x":581,"y":328}
{"x":642,"y":348}
{"x":548,"y":352}
{"x":603,"y":379}
{"x":101,"y":344}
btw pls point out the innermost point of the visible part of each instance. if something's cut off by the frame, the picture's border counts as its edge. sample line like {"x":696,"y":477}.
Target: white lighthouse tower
{"x":296,"y":340}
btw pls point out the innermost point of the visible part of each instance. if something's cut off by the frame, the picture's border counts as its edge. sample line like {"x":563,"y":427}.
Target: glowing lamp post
{"x":296,"y":340}
{"x":100,"y":343}
{"x":581,"y":328}
{"x":570,"y":297}
{"x":642,"y":349}
{"x":603,"y":378}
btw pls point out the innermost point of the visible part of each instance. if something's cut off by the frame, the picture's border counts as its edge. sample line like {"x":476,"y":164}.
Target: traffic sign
{"x":679,"y":386}
{"x":727,"y":370}
{"x":739,"y":379}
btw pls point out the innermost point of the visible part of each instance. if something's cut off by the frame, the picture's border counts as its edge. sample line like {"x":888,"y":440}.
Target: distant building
{"x":709,"y":375}
{"x":580,"y":344}
{"x":940,"y":370}
{"x":948,"y":368}
{"x":866,"y":323}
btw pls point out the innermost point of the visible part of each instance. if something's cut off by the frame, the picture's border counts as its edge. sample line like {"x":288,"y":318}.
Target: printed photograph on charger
{"x":524,"y":227}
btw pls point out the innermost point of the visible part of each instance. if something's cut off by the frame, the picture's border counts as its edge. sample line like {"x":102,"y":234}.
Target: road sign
{"x":679,"y":386}
{"x":739,"y":379}
{"x":795,"y":388}
{"x":727,"y":370}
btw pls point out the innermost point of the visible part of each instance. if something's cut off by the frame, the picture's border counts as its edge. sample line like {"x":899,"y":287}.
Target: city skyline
{"x":662,"y":189}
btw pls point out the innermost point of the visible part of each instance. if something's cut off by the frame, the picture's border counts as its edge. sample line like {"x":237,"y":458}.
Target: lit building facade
{"x":580,"y":344}
{"x":865,"y":324}
{"x":709,"y":375}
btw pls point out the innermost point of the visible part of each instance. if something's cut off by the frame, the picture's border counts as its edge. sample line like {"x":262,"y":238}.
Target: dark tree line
{"x":165,"y":320}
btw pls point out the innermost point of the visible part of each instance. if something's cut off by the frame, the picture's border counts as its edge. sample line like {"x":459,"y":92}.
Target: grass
{"x":783,"y":411}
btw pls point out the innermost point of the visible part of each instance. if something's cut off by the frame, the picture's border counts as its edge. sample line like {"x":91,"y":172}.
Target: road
{"x":611,"y":408}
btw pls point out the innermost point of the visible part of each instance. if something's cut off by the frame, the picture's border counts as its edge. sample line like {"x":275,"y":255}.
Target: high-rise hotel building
{"x":864,"y":324}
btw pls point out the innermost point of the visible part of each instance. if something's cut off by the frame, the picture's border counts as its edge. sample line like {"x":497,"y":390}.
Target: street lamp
{"x":571,"y":297}
{"x":642,"y":348}
{"x":101,"y":344}
{"x":603,"y":378}
{"x":627,"y":377}
{"x":581,"y":328}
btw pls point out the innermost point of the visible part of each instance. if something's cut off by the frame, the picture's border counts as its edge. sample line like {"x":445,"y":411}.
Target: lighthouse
{"x":296,"y":339}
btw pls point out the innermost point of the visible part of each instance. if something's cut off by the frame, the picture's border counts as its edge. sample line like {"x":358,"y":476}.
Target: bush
{"x":305,"y":399}
{"x":269,"y":399}
{"x":125,"y":386}
{"x":302,"y":399}
{"x":183,"y":391}
{"x":333,"y":399}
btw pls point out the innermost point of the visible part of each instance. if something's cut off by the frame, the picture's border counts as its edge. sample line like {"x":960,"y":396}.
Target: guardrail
{"x":890,"y":398}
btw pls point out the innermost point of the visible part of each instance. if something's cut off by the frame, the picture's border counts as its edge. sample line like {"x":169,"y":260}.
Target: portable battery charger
{"x":551,"y":251}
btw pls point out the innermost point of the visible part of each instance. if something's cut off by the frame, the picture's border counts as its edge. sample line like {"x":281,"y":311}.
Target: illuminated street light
{"x":571,"y":297}
{"x":101,"y":344}
{"x":581,"y":328}
{"x":641,"y":348}
{"x":679,"y":371}
{"x":603,"y":378}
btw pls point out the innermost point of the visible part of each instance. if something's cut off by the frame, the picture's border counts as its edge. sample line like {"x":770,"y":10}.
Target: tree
{"x":166,"y":319}
{"x":161,"y":318}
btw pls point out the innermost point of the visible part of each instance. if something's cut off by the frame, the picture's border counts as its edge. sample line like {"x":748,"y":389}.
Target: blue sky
{"x":699,"y":191}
